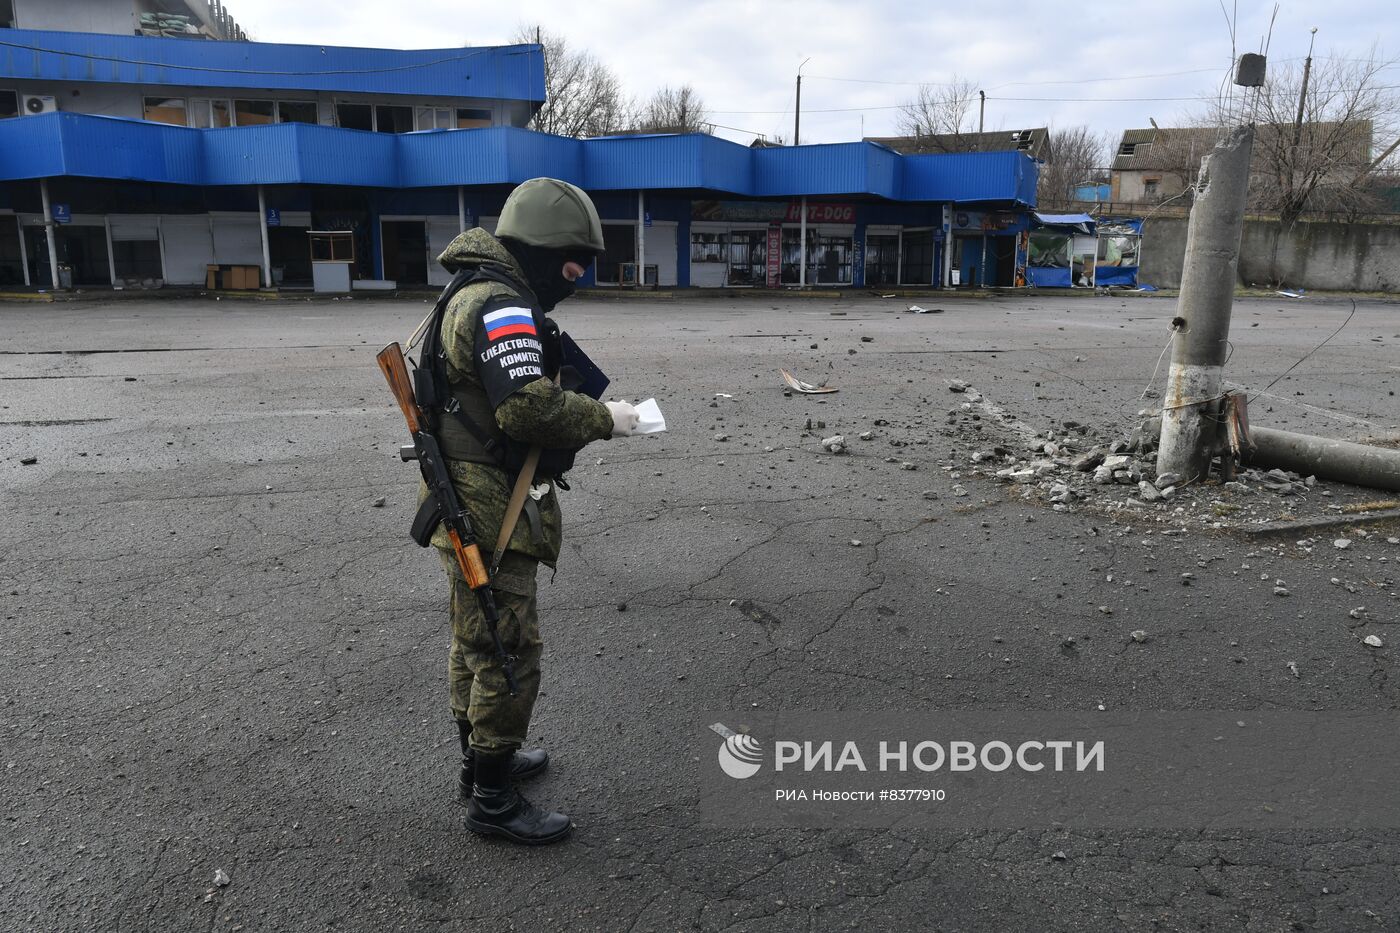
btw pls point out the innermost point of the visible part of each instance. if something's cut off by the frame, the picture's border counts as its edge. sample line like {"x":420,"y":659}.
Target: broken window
{"x":252,"y":112}
{"x":1049,"y":249}
{"x":1149,"y":187}
{"x":296,"y":111}
{"x":393,"y":118}
{"x":165,"y":110}
{"x":1118,"y":250}
{"x":471,"y":118}
{"x":1127,"y":149}
{"x":354,"y":116}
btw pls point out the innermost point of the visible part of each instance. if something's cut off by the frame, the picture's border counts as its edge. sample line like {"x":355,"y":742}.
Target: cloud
{"x":742,"y":55}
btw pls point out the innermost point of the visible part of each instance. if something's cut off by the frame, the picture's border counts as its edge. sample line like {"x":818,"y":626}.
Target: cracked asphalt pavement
{"x":219,"y":654}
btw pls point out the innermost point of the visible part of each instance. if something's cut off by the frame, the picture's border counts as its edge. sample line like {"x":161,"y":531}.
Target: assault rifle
{"x":442,"y":504}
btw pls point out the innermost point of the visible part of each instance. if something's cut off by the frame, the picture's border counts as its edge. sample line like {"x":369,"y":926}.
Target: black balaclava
{"x":544,"y":270}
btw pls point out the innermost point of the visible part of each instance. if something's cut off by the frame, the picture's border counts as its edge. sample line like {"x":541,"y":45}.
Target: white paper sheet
{"x":652,"y":421}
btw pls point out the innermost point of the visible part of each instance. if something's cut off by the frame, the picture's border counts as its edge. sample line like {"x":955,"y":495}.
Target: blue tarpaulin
{"x":1048,"y":276}
{"x":1116,"y":275}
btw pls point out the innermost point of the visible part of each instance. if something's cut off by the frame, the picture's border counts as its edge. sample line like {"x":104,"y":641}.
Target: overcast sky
{"x":742,"y":55}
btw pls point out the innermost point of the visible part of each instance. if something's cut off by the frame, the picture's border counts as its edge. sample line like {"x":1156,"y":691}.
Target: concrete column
{"x":641,"y":240}
{"x":111,"y":253}
{"x":461,"y":209}
{"x":266,"y":244}
{"x":23,"y":252}
{"x":899,"y":261}
{"x":1190,"y":426}
{"x":946,"y":273}
{"x":802,"y":249}
{"x":859,"y":245}
{"x":48,"y":232}
{"x":1359,"y":464}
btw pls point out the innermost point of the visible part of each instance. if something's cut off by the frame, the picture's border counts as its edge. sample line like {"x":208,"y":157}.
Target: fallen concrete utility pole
{"x":1191,"y":428}
{"x":1343,"y":461}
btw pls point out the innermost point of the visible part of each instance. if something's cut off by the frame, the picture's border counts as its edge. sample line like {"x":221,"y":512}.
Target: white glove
{"x":624,"y":417}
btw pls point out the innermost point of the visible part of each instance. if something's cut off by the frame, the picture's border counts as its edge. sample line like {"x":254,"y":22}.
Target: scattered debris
{"x":1296,"y":293}
{"x":1342,"y":544}
{"x":836,"y":443}
{"x":221,"y":878}
{"x":806,"y":388}
{"x":855,"y":542}
{"x":1139,"y":636}
{"x":915,"y":309}
{"x":378,"y":502}
{"x":28,"y":461}
{"x":1374,"y":641}
{"x":1293,"y":666}
{"x":1358,"y":613}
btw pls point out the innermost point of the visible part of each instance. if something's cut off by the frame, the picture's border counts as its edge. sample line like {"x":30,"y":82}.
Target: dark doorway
{"x":11,"y":263}
{"x":290,"y":251}
{"x":620,"y":246}
{"x":406,"y":251}
{"x":137,"y":260}
{"x":918,"y":257}
{"x":83,"y":249}
{"x":882,"y":259}
{"x":1003,"y":275}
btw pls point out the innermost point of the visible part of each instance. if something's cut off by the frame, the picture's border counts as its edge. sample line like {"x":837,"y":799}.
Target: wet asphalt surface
{"x":218,"y":653}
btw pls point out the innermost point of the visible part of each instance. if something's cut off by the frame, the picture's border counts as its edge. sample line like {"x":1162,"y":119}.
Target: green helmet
{"x":551,"y":214}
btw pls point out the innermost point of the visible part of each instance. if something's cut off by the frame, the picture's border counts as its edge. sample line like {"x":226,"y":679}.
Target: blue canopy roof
{"x":511,"y":72}
{"x":83,"y":145}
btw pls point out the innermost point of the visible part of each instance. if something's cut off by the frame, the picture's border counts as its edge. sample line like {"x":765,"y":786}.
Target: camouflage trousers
{"x":477,"y":685}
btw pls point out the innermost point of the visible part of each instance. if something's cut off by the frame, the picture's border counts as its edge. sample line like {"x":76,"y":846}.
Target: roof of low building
{"x":1034,"y":142}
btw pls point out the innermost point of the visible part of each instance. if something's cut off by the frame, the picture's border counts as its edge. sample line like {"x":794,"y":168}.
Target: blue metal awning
{"x":512,"y":72}
{"x":83,"y":145}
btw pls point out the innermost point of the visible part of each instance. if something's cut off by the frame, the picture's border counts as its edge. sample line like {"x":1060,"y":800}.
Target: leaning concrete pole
{"x":1190,"y":411}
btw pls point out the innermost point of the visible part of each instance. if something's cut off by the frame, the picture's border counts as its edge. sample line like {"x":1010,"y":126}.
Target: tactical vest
{"x":466,"y":426}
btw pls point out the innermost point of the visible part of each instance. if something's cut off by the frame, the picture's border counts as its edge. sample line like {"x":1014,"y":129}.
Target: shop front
{"x":989,"y":249}
{"x":757,"y":244}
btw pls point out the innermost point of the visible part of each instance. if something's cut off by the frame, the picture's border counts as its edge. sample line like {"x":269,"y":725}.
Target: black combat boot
{"x":525,"y":763}
{"x":498,"y":809}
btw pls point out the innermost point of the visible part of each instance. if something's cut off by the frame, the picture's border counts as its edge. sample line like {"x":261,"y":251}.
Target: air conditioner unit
{"x":35,"y":104}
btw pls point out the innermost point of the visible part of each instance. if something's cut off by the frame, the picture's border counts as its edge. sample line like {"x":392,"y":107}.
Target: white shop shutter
{"x":661,"y":251}
{"x":237,"y":239}
{"x":441,"y":231}
{"x":134,"y":227}
{"x":188,"y":247}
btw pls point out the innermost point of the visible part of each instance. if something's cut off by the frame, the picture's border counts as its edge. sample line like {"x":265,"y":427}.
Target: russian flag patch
{"x":507,"y":322}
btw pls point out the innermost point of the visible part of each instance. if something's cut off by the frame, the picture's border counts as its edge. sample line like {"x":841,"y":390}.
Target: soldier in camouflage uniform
{"x":501,"y":357}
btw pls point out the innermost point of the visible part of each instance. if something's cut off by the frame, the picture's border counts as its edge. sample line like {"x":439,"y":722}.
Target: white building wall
{"x":116,"y":17}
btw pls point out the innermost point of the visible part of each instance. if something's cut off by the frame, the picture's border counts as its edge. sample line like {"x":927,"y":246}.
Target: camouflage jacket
{"x":538,"y":413}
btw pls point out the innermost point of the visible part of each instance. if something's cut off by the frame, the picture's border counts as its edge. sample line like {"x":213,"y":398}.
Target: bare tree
{"x":1321,"y":162}
{"x":673,"y":110}
{"x":946,"y":113}
{"x":1075,"y":155}
{"x":582,"y":95}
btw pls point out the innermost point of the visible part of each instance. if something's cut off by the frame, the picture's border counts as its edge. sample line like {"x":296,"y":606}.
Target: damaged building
{"x":141,"y":160}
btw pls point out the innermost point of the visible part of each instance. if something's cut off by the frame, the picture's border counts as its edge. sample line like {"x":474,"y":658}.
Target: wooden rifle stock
{"x":395,"y":370}
{"x":435,"y":475}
